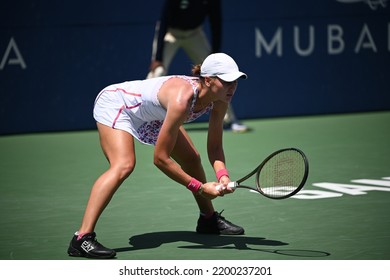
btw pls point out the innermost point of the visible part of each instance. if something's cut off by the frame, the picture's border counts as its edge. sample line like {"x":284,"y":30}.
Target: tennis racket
{"x":281,"y":175}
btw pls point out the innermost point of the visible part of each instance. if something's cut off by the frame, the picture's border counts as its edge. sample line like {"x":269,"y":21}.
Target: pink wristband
{"x":194,"y":185}
{"x":222,"y":172}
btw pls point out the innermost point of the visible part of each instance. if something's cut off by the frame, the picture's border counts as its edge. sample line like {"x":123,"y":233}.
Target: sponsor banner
{"x":302,"y":57}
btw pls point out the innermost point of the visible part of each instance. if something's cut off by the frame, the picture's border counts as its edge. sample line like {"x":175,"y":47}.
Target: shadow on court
{"x":200,"y":241}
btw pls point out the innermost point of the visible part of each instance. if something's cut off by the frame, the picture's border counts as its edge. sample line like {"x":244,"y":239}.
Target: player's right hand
{"x":212,"y":189}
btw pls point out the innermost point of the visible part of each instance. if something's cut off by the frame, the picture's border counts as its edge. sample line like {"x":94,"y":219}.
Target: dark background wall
{"x":303,"y":57}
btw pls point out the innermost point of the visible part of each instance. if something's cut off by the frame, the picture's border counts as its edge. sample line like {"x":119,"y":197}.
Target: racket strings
{"x":282,"y":174}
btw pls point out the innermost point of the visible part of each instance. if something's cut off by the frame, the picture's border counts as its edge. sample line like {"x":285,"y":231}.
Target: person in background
{"x":181,"y":26}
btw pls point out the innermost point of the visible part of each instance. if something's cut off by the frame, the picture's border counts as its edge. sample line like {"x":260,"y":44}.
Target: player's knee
{"x":124,"y":170}
{"x":128,"y":169}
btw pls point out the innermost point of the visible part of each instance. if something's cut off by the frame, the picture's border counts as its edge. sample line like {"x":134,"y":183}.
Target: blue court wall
{"x":302,"y":57}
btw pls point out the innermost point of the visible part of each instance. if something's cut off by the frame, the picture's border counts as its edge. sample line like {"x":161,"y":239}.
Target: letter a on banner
{"x":365,"y":40}
{"x":17,"y":59}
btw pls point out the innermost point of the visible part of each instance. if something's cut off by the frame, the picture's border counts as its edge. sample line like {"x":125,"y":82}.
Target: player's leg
{"x":187,"y":156}
{"x":118,"y":147}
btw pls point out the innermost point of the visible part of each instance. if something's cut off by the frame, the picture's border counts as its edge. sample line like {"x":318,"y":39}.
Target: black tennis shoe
{"x":217,"y":225}
{"x":89,"y":247}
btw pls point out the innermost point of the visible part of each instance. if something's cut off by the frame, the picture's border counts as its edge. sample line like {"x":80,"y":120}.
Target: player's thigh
{"x":117,"y":146}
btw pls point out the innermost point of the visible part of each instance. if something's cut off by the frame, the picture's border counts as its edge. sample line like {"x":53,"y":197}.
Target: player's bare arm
{"x":177,"y":104}
{"x":214,"y":140}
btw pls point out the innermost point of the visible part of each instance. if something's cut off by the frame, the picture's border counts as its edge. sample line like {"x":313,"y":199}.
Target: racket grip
{"x":231,"y":185}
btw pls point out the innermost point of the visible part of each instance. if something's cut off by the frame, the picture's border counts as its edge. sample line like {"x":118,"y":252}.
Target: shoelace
{"x":220,"y":217}
{"x":220,"y":214}
{"x":93,"y":241}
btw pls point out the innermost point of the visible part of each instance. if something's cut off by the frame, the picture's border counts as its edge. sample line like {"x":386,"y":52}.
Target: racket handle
{"x":231,"y":185}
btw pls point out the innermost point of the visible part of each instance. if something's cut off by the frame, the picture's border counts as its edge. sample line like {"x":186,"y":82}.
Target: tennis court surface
{"x":343,"y":212}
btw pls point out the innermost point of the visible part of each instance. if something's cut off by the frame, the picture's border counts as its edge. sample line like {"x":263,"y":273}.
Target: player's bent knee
{"x":124,"y":170}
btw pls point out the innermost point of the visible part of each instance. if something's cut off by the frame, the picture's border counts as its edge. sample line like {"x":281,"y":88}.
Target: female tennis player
{"x":153,"y":112}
